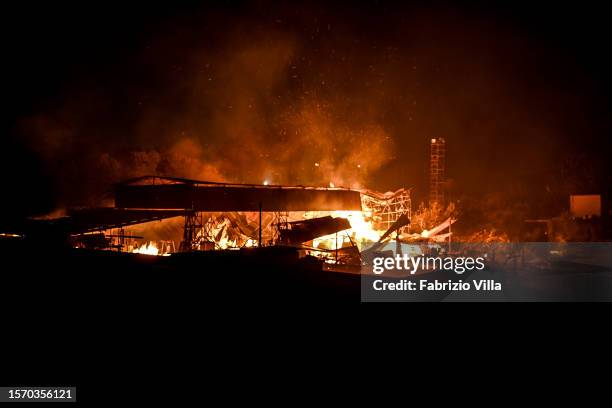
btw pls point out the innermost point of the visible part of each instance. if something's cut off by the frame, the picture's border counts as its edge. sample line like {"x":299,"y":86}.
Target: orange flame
{"x":147,"y":249}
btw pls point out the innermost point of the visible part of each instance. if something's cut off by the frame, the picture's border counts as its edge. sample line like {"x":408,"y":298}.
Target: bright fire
{"x":361,"y":230}
{"x":147,"y":249}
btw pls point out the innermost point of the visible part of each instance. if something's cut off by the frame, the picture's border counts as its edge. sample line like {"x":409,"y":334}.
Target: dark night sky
{"x":99,"y":91}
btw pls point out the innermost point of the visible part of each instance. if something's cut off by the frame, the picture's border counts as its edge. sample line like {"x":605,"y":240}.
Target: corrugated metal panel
{"x":307,"y":230}
{"x":90,"y":219}
{"x":236,"y":198}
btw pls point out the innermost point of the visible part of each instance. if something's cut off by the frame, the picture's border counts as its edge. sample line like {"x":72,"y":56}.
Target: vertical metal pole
{"x":450,"y":234}
{"x":336,"y":246}
{"x":260,"y":209}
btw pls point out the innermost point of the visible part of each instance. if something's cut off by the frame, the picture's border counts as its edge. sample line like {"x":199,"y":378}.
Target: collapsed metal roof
{"x":83,"y":220}
{"x":176,"y":193}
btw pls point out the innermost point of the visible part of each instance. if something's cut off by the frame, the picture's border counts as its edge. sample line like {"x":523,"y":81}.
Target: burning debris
{"x":333,"y":224}
{"x":221,"y":216}
{"x":147,"y":249}
{"x":330,"y":223}
{"x":163,"y":248}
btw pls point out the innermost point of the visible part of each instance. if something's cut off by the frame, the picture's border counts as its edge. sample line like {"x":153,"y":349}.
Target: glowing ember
{"x":10,"y":235}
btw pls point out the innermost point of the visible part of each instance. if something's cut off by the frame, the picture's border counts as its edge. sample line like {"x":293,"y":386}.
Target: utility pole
{"x":260,"y":210}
